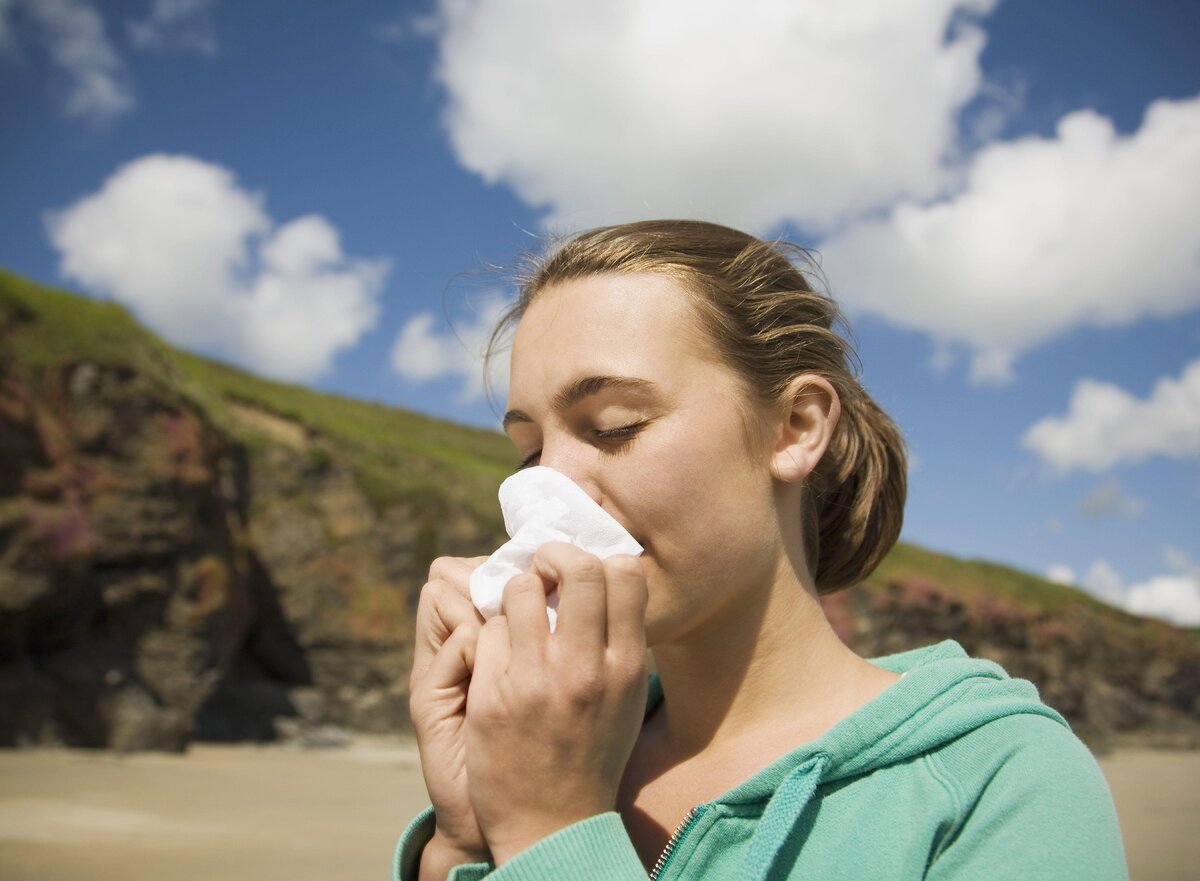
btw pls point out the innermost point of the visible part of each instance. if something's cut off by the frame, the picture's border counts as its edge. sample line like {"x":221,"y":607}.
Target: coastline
{"x":260,"y":812}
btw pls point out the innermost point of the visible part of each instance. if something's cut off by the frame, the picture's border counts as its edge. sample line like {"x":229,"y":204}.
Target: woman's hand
{"x":553,"y":718}
{"x":448,"y":627}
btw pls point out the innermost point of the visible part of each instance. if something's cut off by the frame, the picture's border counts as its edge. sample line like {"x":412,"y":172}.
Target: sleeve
{"x":406,"y":863}
{"x":595,"y":849}
{"x":1035,"y":806}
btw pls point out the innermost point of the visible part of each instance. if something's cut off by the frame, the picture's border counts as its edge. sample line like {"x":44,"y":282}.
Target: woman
{"x":689,"y":379}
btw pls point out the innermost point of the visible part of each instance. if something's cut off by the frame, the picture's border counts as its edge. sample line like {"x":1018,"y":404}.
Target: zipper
{"x":665,"y":856}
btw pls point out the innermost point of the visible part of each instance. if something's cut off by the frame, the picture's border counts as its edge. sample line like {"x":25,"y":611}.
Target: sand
{"x":262,"y":813}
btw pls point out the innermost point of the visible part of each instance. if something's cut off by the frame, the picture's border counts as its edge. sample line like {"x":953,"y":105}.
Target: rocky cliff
{"x":178,"y":559}
{"x":187,"y":551}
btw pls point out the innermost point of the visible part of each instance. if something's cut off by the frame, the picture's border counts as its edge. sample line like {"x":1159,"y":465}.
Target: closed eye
{"x":623,"y":432}
{"x":613,"y":436}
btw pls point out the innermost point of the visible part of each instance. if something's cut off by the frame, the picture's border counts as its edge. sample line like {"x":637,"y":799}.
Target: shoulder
{"x":1031,"y":796}
{"x":1020,"y":747}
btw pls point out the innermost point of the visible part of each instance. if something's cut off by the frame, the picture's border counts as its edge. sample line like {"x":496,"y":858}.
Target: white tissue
{"x":541,"y":505}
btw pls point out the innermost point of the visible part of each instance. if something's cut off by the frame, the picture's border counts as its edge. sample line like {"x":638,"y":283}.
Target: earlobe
{"x":805,"y":428}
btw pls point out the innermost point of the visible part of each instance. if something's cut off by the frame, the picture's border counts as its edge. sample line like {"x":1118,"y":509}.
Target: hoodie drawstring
{"x":779,"y":819}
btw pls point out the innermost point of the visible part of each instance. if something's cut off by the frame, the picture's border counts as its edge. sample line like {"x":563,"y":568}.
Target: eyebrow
{"x":582,"y":388}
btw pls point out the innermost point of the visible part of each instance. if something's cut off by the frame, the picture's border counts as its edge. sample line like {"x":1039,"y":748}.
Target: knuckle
{"x":441,"y":568}
{"x":587,"y":568}
{"x":526,"y":582}
{"x":624,"y":566}
{"x":493,"y":627}
{"x":630,"y":667}
{"x":431,"y":592}
{"x":626,"y":661}
{"x":454,"y":572}
{"x":467,"y":631}
{"x":586,"y":684}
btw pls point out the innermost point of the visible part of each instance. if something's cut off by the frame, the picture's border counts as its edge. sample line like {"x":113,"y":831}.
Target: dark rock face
{"x":1115,"y":690}
{"x":160,"y":580}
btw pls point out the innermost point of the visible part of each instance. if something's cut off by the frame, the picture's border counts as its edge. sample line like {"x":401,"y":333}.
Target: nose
{"x":572,"y":460}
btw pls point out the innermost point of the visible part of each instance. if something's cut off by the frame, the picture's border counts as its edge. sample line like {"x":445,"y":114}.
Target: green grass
{"x":396,"y":455}
{"x":42,"y":327}
{"x":975,"y":581}
{"x":402,"y":457}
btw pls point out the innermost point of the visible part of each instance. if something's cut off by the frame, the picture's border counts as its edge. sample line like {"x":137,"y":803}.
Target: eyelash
{"x":621,"y":435}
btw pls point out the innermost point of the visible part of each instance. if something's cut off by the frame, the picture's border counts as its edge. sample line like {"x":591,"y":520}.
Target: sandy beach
{"x":247,"y":813}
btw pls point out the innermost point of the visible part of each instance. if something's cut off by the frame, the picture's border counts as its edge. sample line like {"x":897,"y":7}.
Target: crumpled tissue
{"x":541,"y":505}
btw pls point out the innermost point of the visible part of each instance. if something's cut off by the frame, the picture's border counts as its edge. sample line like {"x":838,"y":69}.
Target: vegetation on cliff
{"x":189,"y":550}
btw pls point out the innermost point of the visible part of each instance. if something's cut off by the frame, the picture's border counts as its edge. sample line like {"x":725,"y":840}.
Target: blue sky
{"x":1004,"y":195}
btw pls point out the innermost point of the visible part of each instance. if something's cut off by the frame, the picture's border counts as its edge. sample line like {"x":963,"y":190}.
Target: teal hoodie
{"x":956,"y":771}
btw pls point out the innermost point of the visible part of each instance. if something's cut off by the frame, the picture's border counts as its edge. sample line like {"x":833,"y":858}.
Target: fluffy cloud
{"x":1109,"y":499}
{"x":97,"y":86}
{"x":1174,"y":597}
{"x":765,"y":112}
{"x":1085,"y":228}
{"x":1060,"y":573}
{"x":175,"y":24}
{"x":421,"y":352}
{"x":198,"y":259}
{"x":1104,"y":581}
{"x":1105,"y":425}
{"x":846,"y":118}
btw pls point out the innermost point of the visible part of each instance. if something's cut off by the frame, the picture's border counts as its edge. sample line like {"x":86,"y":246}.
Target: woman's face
{"x":615,"y":384}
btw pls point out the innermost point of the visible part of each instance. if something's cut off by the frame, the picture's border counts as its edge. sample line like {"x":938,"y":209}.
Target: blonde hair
{"x":769,"y":326}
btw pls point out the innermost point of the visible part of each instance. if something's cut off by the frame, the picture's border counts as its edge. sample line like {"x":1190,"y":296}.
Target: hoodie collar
{"x":943,"y":694}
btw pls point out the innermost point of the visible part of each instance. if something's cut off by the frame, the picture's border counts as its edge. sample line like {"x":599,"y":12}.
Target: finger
{"x":491,"y":655}
{"x":440,"y":611}
{"x":524,"y":607}
{"x":455,"y":571}
{"x":627,"y":597}
{"x":452,"y":665}
{"x":582,"y":608}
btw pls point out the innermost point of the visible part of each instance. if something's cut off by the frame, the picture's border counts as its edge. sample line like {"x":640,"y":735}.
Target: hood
{"x":943,"y":694}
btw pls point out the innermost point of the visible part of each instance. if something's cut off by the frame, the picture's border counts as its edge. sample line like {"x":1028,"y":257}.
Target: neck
{"x":771,"y":666}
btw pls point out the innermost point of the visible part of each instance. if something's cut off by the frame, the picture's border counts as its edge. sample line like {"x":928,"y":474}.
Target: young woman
{"x":688,"y":377}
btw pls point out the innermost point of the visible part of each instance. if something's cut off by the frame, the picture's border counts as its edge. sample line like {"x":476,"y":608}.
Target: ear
{"x":808,"y":418}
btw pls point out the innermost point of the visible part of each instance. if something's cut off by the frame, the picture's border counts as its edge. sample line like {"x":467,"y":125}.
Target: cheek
{"x":703,"y":521}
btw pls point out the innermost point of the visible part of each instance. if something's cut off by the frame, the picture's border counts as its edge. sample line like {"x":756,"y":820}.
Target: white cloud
{"x":1174,"y":597}
{"x":765,"y":112}
{"x":1060,"y":573}
{"x":422,"y":353}
{"x":1088,"y":227}
{"x":1105,"y":425}
{"x":198,"y":259}
{"x":1104,"y":581}
{"x":97,"y":86}
{"x":175,"y":24}
{"x":1109,"y":499}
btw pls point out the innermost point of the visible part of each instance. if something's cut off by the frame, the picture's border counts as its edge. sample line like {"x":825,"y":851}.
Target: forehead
{"x":634,"y":324}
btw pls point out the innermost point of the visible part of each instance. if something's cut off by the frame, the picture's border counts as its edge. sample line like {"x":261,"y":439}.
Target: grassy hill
{"x":271,"y":540}
{"x":396,"y":454}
